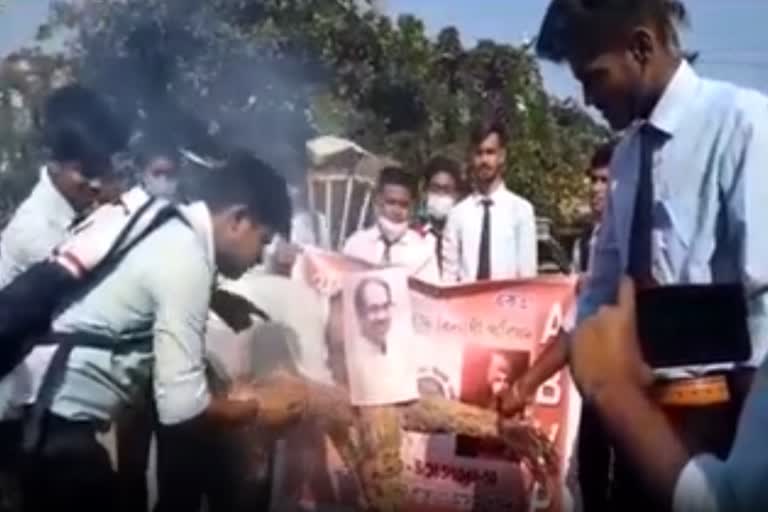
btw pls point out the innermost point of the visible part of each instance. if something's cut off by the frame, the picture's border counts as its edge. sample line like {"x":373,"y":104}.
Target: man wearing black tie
{"x":492,"y":233}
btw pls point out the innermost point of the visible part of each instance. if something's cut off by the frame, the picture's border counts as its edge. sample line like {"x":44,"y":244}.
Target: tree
{"x":266,"y":75}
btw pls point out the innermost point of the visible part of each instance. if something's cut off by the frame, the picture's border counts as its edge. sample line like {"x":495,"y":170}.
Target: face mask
{"x":439,"y":205}
{"x":161,"y":186}
{"x":392,"y":231}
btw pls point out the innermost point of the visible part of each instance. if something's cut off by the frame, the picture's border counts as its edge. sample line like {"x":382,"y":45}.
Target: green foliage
{"x":266,"y":75}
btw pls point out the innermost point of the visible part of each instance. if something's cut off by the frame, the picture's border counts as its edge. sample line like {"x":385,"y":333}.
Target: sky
{"x":730,"y":34}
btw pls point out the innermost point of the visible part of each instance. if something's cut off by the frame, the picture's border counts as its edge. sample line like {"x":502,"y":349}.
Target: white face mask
{"x":161,"y":186}
{"x":392,"y":231}
{"x":439,"y":205}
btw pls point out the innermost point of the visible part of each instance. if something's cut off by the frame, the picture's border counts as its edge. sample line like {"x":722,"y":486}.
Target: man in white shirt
{"x":81,"y":134}
{"x":143,"y":323}
{"x":391,"y":240}
{"x":492,"y":233}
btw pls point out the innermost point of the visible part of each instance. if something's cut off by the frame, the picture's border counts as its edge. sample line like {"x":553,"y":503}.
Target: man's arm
{"x":609,"y":370}
{"x":744,"y":184}
{"x":550,"y":361}
{"x":527,"y":244}
{"x":451,"y":251}
{"x":181,"y":295}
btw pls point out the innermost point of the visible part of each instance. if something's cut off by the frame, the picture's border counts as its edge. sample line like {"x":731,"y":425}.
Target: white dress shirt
{"x":414,"y":251}
{"x":160,"y":291}
{"x":40,"y":223}
{"x":514,"y":245}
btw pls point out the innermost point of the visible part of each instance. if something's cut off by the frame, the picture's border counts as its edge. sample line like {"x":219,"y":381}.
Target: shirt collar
{"x":669,"y":112}
{"x":199,"y":216}
{"x":494,"y":196}
{"x":56,"y":202}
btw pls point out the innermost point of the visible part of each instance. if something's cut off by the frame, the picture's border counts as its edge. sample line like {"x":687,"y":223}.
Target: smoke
{"x":182,"y":71}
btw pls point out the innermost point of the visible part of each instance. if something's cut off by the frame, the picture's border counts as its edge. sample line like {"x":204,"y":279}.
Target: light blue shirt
{"x":710,"y":175}
{"x":159,"y":291}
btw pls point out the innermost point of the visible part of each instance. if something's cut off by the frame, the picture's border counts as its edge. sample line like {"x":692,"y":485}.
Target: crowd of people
{"x":675,"y":201}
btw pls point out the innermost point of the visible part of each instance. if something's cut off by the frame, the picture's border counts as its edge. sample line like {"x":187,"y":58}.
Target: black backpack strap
{"x":54,"y":375}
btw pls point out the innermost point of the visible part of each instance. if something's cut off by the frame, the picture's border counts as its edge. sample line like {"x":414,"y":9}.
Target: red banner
{"x":470,"y":343}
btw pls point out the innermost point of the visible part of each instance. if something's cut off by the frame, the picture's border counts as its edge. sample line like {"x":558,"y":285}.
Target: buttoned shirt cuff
{"x":696,"y":486}
{"x":183,"y":399}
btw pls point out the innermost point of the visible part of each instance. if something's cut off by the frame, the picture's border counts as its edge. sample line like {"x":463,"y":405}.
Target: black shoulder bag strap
{"x":54,"y":375}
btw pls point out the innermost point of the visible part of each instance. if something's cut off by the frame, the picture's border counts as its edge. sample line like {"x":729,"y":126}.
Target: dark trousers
{"x":10,"y":453}
{"x":709,"y":429}
{"x":199,"y":461}
{"x":134,"y":432}
{"x":70,"y":470}
{"x":594,"y":461}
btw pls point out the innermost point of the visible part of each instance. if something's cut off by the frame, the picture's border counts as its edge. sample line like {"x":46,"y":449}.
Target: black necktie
{"x":438,"y":234}
{"x":640,"y":242}
{"x":387,"y":258}
{"x":484,"y":256}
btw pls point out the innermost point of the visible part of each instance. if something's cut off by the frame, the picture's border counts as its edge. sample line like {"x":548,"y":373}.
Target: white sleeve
{"x":451,"y":253}
{"x":181,"y":294}
{"x":528,"y":244}
{"x":694,"y":491}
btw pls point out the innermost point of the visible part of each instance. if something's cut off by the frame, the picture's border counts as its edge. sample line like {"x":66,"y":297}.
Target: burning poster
{"x":468,"y":344}
{"x":378,"y":332}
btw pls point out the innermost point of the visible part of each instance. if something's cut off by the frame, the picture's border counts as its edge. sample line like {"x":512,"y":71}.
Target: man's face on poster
{"x":375,"y":312}
{"x":498,"y":373}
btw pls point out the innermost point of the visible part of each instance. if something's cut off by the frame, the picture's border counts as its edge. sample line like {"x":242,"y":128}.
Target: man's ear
{"x":642,"y":45}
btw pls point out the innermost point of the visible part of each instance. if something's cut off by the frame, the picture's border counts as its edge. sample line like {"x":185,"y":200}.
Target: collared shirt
{"x":710,"y":177}
{"x":160,"y":290}
{"x":584,"y":250}
{"x":513,"y":238}
{"x":708,"y":484}
{"x":413,"y":251}
{"x":40,"y":223}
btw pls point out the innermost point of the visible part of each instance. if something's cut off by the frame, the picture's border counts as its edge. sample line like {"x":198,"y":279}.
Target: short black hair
{"x":365,"y":283}
{"x":573,"y":27}
{"x":438,"y":164}
{"x":246,"y":180}
{"x":484,"y":128}
{"x":80,"y":126}
{"x":602,"y":155}
{"x":394,"y":175}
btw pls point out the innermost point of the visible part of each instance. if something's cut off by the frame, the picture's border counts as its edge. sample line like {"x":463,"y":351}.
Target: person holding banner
{"x":687,"y":183}
{"x":443,"y":187}
{"x":492,"y":233}
{"x":392,"y":241}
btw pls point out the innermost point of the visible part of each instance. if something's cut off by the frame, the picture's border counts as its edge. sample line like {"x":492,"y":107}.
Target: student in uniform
{"x":81,"y":134}
{"x":144,"y":322}
{"x":687,"y":188}
{"x":443,"y":188}
{"x":391,"y":240}
{"x":492,"y":233}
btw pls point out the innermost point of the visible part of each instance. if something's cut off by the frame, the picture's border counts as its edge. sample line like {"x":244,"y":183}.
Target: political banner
{"x":468,"y":343}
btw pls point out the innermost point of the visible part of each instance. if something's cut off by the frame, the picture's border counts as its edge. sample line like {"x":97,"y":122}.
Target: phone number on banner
{"x":459,"y":500}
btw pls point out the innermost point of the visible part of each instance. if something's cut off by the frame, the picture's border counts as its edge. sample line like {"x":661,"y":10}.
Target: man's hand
{"x":517,"y":398}
{"x":605,"y":352}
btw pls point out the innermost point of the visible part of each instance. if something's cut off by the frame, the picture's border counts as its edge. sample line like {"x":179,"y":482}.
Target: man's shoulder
{"x":520,"y":203}
{"x":734,"y":105}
